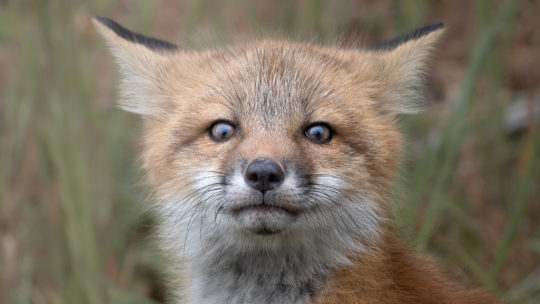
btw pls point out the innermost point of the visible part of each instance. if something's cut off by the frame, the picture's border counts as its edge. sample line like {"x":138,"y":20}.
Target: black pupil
{"x":222,"y":130}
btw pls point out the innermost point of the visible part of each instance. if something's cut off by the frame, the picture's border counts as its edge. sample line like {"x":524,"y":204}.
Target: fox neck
{"x":259,"y":277}
{"x":223,"y":260}
{"x":222,"y":271}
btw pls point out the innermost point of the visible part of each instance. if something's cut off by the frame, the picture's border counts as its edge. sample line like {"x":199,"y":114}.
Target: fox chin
{"x":272,"y":163}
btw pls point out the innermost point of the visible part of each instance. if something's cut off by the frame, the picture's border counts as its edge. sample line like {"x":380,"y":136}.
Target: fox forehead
{"x":268,"y":81}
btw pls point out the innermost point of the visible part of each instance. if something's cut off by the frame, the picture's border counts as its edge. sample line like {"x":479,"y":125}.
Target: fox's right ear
{"x":399,"y":67}
{"x":141,"y":60}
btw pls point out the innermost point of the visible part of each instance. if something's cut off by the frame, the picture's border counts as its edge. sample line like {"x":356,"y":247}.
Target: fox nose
{"x":264,"y":174}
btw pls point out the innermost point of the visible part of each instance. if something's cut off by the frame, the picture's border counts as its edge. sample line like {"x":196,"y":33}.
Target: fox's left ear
{"x":399,"y":67}
{"x":141,"y":60}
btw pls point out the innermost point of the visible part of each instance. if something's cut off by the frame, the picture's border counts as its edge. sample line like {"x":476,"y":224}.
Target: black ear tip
{"x":112,"y":25}
{"x":435,"y":26}
{"x":104,"y":20}
{"x":422,"y":31}
{"x":100,"y":18}
{"x":149,"y":42}
{"x":391,"y":44}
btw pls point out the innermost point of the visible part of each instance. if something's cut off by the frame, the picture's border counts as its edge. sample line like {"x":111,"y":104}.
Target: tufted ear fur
{"x":142,"y":61}
{"x":399,"y":65}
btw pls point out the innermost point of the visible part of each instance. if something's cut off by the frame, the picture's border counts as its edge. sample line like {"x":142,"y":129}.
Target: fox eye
{"x":319,"y":133}
{"x":221,"y":131}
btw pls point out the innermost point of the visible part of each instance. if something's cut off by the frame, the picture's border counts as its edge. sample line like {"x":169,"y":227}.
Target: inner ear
{"x":149,"y":42}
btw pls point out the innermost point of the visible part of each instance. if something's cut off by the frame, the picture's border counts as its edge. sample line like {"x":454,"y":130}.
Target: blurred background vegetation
{"x":72,"y":226}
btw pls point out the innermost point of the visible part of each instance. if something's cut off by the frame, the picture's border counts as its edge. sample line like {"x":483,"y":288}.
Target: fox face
{"x":266,"y":145}
{"x":274,"y":141}
{"x":274,"y":147}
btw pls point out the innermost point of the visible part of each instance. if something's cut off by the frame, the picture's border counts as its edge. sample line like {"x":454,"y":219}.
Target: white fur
{"x":224,"y":264}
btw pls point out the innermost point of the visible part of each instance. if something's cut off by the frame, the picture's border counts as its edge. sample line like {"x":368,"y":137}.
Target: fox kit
{"x":272,"y":162}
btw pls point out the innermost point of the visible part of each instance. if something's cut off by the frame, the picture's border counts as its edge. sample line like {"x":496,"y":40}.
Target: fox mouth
{"x":265,"y":219}
{"x":265,"y":208}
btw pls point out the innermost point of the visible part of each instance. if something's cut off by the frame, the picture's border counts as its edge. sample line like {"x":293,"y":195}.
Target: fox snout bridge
{"x":264,"y":174}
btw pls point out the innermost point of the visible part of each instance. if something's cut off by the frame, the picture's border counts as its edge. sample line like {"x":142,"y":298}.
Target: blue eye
{"x":319,"y":133}
{"x":221,"y":131}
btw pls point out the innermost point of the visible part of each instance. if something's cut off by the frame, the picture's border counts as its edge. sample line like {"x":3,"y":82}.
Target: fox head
{"x":270,"y":144}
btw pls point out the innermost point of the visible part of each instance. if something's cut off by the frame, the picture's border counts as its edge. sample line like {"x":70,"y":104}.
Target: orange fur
{"x":391,"y":274}
{"x":265,"y":87}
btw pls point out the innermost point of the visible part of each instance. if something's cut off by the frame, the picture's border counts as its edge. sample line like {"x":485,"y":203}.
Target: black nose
{"x":264,"y":174}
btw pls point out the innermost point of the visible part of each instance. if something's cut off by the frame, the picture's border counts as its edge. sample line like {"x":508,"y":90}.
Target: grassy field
{"x":72,"y":222}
